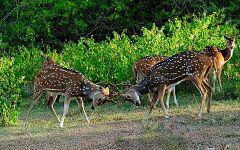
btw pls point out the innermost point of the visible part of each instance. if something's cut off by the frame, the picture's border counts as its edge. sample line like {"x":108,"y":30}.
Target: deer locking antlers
{"x":154,"y":77}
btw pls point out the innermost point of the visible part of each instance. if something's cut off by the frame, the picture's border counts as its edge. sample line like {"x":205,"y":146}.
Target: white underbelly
{"x":176,"y":83}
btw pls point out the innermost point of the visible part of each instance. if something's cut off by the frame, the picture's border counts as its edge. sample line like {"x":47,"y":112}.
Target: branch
{"x":92,"y":31}
{"x":5,"y":17}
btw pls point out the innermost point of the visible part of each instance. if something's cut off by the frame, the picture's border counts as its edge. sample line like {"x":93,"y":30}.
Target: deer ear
{"x":128,"y":83}
{"x":100,"y":88}
{"x":233,"y":35}
{"x":107,"y":90}
{"x":225,"y":37}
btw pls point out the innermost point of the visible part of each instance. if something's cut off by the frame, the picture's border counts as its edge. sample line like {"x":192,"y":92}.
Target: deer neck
{"x":87,"y":89}
{"x":145,"y":87}
{"x":227,"y":54}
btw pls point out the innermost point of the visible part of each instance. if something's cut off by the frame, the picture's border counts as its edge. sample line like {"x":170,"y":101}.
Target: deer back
{"x":144,"y":65}
{"x":216,"y":53}
{"x":58,"y":79}
{"x":48,"y":61}
{"x":179,"y":67}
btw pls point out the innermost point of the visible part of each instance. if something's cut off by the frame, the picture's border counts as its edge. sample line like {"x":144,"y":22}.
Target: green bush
{"x":52,"y":22}
{"x":113,"y":58}
{"x":10,"y":98}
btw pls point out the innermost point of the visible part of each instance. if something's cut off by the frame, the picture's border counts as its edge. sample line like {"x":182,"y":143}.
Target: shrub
{"x":10,"y":99}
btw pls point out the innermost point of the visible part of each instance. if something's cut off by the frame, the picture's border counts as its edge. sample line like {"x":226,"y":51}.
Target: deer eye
{"x":128,"y":97}
{"x":99,"y":99}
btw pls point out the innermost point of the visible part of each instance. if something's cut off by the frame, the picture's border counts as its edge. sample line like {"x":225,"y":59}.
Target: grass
{"x":123,"y":126}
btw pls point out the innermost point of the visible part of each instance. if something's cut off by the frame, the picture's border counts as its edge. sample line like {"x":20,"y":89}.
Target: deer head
{"x":230,"y":41}
{"x":131,"y":94}
{"x":100,"y":97}
{"x":112,"y":94}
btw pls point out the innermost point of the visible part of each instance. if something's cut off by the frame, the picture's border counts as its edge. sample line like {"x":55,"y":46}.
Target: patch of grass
{"x":124,"y":127}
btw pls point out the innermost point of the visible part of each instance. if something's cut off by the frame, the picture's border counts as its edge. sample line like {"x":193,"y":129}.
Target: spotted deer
{"x":69,"y":82}
{"x":221,"y":57}
{"x":142,"y":67}
{"x":189,"y":65}
{"x":46,"y":62}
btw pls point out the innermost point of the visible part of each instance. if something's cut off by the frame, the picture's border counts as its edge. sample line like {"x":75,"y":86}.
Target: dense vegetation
{"x":54,"y":22}
{"x":111,"y":59}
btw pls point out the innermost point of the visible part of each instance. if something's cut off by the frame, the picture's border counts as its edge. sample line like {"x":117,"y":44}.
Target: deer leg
{"x":80,"y":103}
{"x":208,"y":78}
{"x":214,"y":79}
{"x":149,"y":98}
{"x":51,"y":101}
{"x":158,"y":96}
{"x":48,"y":96}
{"x":174,"y":95}
{"x":168,"y":97}
{"x":153,"y":103}
{"x":219,"y":70}
{"x":66,"y":105}
{"x":161,"y":91}
{"x":209,"y":89}
{"x":58,"y":97}
{"x":35,"y":98}
{"x":199,"y":84}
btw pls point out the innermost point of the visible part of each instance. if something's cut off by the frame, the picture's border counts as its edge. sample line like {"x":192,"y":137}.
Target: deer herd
{"x":153,"y":74}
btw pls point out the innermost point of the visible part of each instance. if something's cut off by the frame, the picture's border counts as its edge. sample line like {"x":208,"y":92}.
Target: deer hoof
{"x":166,"y":117}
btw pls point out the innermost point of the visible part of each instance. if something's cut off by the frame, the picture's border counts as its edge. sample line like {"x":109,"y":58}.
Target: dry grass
{"x":123,"y":127}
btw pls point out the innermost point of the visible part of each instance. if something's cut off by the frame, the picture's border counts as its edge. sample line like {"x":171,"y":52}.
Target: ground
{"x":124,"y":127}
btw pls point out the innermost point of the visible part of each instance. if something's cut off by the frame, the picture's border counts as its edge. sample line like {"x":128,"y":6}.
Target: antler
{"x":123,"y":84}
{"x":111,"y":93}
{"x":106,"y":82}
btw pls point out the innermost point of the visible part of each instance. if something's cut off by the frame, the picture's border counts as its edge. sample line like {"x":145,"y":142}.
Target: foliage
{"x":111,"y":59}
{"x":10,"y":98}
{"x":53,"y":22}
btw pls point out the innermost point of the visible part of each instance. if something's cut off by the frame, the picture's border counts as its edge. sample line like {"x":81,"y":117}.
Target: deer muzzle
{"x":138,"y":103}
{"x":93,"y":108}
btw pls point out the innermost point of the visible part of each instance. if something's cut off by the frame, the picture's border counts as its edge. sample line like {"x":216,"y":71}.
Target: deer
{"x":193,"y":66}
{"x":44,"y":65}
{"x":142,"y":67}
{"x":221,"y":57}
{"x":56,"y":79}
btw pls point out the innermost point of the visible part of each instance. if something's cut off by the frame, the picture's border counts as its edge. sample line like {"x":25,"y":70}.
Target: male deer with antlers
{"x":142,"y":67}
{"x":189,"y":65}
{"x":221,"y":57}
{"x":69,"y":82}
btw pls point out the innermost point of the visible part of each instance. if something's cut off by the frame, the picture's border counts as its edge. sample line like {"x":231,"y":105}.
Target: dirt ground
{"x":178,"y":132}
